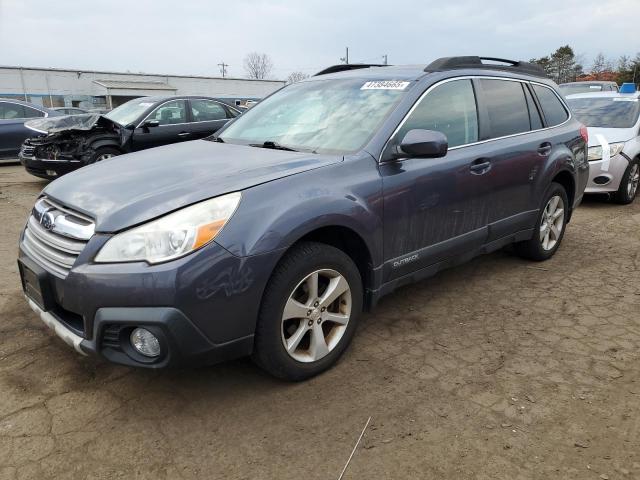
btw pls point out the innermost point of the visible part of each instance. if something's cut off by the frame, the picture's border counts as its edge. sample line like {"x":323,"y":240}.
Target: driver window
{"x":450,"y":108}
{"x":170,"y":113}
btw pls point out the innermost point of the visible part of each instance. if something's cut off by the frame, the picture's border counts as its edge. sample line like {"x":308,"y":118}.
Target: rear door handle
{"x":184,"y":134}
{"x":545,"y":148}
{"x":480,"y":166}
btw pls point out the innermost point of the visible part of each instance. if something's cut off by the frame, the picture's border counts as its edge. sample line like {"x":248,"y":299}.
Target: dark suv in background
{"x":63,"y":144}
{"x":273,"y":235}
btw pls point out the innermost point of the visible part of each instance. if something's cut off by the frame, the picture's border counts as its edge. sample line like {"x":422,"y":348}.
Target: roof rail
{"x":348,"y":66}
{"x":452,"y":63}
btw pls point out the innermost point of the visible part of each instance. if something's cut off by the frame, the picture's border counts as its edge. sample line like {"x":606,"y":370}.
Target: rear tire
{"x":305,"y":323}
{"x":550,"y":227}
{"x":103,"y":153}
{"x":629,"y":184}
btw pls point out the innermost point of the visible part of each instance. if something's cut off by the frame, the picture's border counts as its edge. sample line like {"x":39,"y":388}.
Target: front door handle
{"x":184,"y":134}
{"x":545,"y":148}
{"x":480,"y":166}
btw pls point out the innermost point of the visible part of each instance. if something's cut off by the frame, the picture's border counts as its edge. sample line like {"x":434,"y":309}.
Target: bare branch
{"x":296,"y":77}
{"x":257,"y":66}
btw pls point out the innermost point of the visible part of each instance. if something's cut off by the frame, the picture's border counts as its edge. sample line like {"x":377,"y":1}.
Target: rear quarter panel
{"x":569,"y":153}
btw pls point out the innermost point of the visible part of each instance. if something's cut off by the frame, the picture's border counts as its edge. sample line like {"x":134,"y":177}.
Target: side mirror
{"x":151,"y":123}
{"x":423,"y":144}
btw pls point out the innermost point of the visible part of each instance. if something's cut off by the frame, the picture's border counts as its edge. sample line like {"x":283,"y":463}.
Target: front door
{"x":436,"y":208}
{"x":173,"y":126}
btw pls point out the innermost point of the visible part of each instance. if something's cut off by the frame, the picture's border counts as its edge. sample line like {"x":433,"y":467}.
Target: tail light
{"x":584,"y":133}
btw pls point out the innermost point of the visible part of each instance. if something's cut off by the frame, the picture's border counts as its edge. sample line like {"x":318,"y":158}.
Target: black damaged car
{"x":63,"y":144}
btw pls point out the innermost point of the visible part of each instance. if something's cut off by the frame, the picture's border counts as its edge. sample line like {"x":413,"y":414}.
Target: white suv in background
{"x":614,"y":141}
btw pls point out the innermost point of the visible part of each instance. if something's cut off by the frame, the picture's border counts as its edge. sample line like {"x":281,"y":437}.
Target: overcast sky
{"x":193,"y":36}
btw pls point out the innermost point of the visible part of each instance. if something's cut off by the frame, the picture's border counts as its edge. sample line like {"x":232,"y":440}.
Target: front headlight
{"x":595,"y":153}
{"x":173,"y":235}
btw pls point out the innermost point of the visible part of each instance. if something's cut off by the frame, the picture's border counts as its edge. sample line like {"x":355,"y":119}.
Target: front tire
{"x":103,"y":153}
{"x":550,"y":227}
{"x":309,"y":312}
{"x":629,"y":184}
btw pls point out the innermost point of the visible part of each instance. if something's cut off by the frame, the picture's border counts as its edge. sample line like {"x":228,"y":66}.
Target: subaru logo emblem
{"x":48,"y":220}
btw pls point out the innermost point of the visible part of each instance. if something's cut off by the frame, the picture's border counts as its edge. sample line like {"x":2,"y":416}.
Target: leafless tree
{"x":601,"y":64}
{"x":258,"y":65}
{"x":296,"y":77}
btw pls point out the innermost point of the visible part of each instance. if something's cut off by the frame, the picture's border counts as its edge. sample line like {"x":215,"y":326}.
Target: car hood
{"x":56,"y":124}
{"x":611,"y":135}
{"x":130,"y":189}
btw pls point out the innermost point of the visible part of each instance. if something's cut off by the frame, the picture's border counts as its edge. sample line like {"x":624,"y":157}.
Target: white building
{"x":54,"y":87}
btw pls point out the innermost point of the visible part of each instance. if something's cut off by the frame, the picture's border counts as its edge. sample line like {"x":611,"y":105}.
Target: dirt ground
{"x":497,"y":369}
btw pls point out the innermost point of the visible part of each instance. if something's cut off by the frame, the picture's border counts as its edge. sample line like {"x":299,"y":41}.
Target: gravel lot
{"x":497,"y":369}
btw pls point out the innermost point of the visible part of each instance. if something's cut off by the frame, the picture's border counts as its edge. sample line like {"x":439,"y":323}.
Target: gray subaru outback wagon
{"x":271,"y":237}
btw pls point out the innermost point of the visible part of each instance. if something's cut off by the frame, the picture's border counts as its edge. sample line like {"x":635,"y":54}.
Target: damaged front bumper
{"x":45,"y":167}
{"x":67,"y":143}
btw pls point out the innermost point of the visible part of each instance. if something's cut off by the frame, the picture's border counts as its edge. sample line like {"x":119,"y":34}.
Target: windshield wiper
{"x":273,"y":145}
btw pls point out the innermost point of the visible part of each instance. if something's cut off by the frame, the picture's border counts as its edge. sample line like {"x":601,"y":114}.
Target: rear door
{"x":12,"y":129}
{"x":435,"y":208}
{"x":173,"y":127}
{"x":515,"y":153}
{"x":207,"y":117}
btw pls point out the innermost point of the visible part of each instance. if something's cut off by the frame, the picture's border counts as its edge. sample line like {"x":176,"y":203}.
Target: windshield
{"x":129,"y":112}
{"x":323,"y":116}
{"x":570,"y":89}
{"x":608,"y":112}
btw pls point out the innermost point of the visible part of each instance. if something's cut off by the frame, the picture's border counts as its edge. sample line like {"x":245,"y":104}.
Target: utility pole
{"x":385,"y":59}
{"x":223,"y":68}
{"x":345,"y":59}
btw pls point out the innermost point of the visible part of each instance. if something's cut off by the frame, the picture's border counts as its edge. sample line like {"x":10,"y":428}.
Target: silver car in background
{"x":614,"y":141}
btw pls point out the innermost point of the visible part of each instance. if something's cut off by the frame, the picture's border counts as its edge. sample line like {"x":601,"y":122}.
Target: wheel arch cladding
{"x":565,"y":178}
{"x":105,"y":143}
{"x":350,"y":242}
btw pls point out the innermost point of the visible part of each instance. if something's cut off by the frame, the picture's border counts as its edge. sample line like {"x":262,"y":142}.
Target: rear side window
{"x":32,"y":113}
{"x":506,"y":107}
{"x":554,"y":111}
{"x":231,"y":113}
{"x":534,"y":114}
{"x":449,"y":108}
{"x":207,"y":110}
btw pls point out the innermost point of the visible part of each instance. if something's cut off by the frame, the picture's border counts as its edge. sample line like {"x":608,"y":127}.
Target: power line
{"x":345,"y":59}
{"x":223,"y":68}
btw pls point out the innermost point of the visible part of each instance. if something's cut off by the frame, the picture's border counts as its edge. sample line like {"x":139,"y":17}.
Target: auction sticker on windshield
{"x":385,"y":85}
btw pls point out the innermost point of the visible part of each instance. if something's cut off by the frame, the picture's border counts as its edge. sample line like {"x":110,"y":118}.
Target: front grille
{"x":28,"y":150}
{"x":55,"y":236}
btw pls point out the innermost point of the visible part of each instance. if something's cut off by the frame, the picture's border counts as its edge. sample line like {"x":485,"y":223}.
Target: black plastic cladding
{"x":348,"y":66}
{"x":453,"y":63}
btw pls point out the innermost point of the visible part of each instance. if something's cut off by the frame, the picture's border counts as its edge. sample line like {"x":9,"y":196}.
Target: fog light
{"x":145,"y":342}
{"x":52,"y":173}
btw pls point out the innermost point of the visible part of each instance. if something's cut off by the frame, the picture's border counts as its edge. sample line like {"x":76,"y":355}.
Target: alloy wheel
{"x":634,"y":179}
{"x":104,"y":156}
{"x":552,"y":223}
{"x":316,"y":315}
